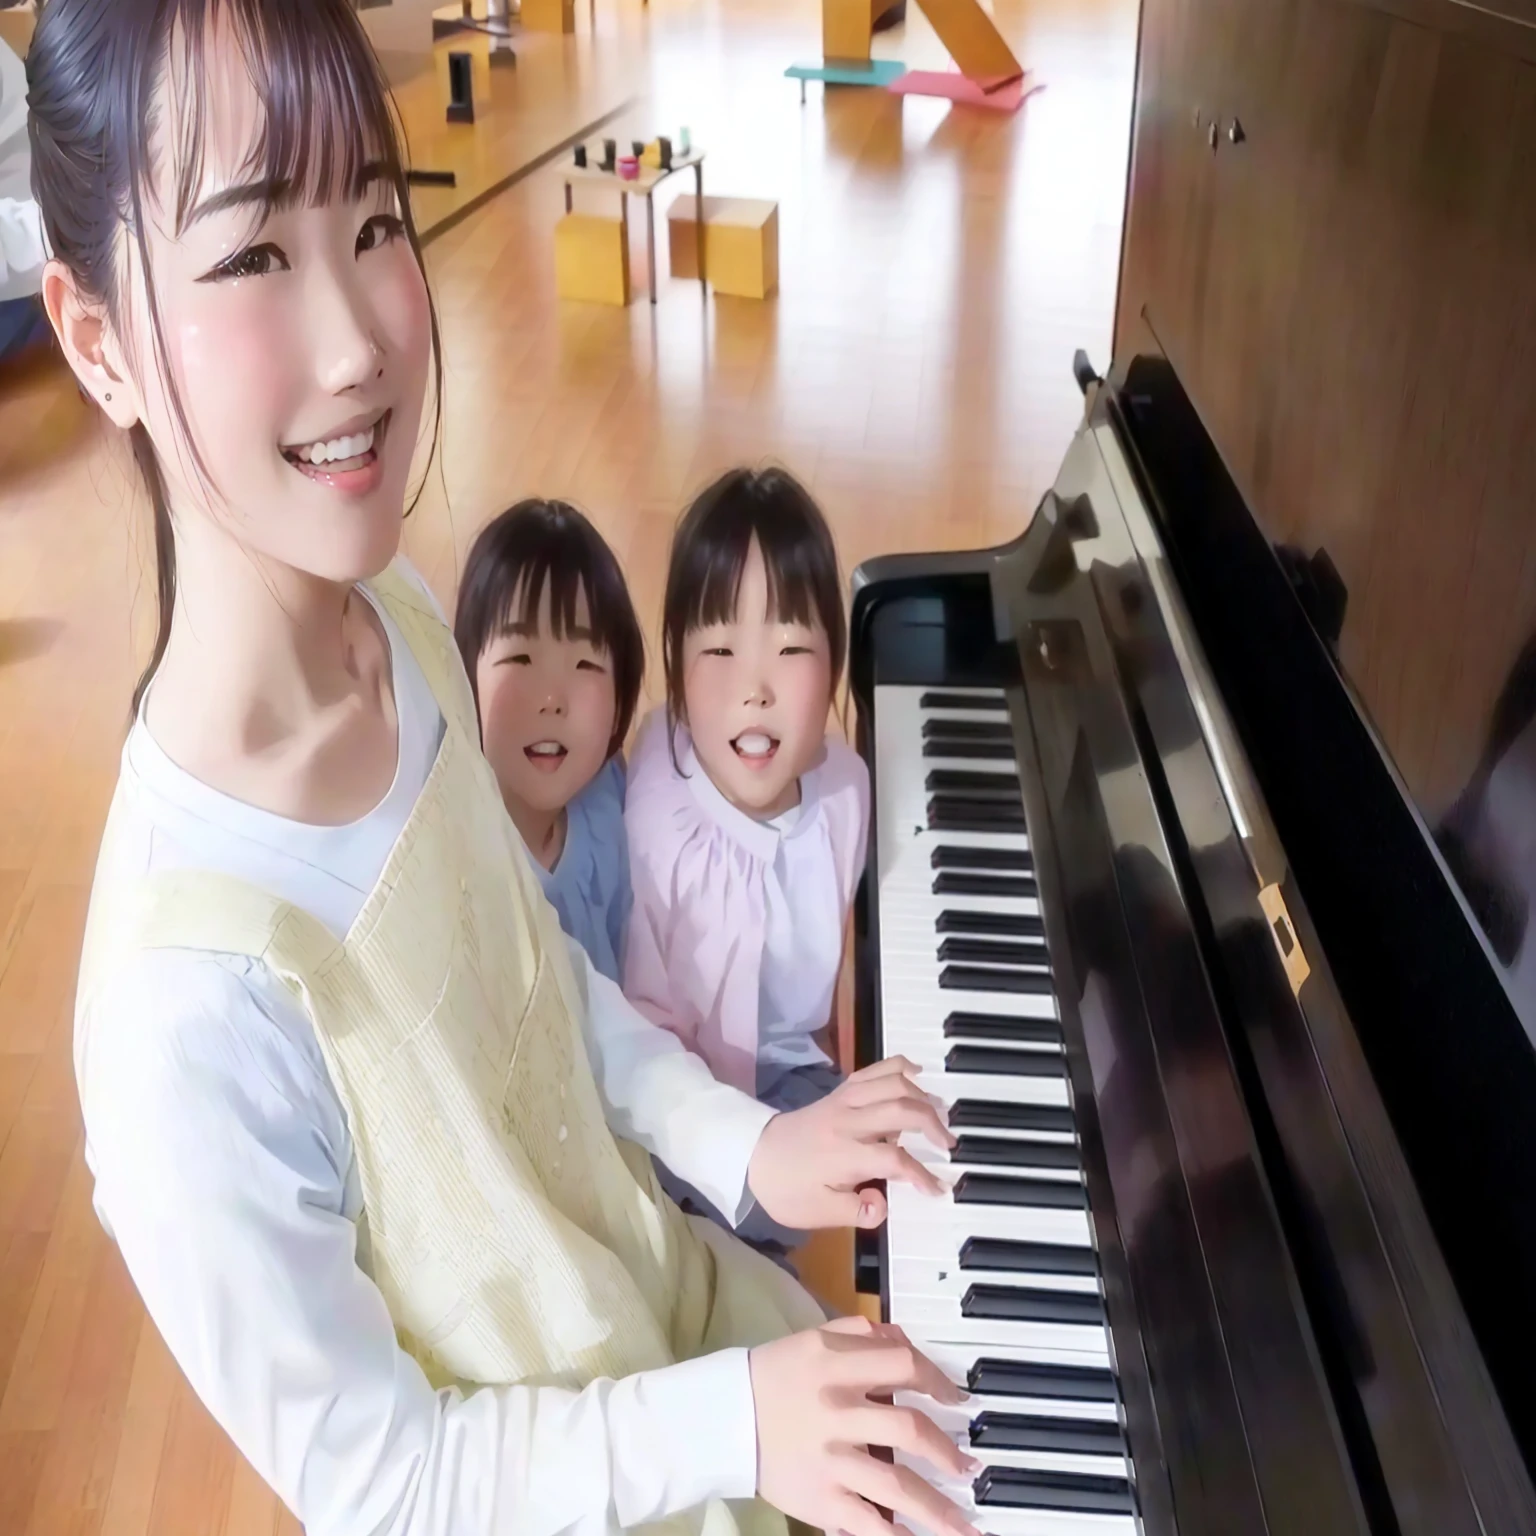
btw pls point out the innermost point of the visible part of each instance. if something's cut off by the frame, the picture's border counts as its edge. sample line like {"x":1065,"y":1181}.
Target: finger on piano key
{"x":1012,"y":1438}
{"x":1003,"y":1520}
{"x":917,"y":1220}
{"x":1042,"y":1378}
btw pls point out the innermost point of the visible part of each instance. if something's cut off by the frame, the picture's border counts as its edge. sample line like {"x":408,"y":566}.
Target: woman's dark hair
{"x":94,"y":70}
{"x":709,"y":554}
{"x":549,"y":543}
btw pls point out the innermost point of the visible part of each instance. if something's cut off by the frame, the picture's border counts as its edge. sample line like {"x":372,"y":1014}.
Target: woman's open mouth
{"x":755,"y":748}
{"x":351,"y":462}
{"x":546,"y":756}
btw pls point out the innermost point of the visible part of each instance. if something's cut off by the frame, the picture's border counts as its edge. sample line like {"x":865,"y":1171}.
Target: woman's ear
{"x":89,"y":345}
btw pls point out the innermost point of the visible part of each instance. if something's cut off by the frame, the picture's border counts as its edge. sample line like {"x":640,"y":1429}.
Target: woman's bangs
{"x":791,"y":599}
{"x":327,"y":127}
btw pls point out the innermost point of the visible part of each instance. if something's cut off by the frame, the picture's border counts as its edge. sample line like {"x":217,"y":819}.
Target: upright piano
{"x":1240,"y":1230}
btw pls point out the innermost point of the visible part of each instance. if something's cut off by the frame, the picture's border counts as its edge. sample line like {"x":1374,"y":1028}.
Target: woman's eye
{"x":718,"y":650}
{"x":379,"y":231}
{"x":254,"y":261}
{"x":587,"y":665}
{"x":795,"y":650}
{"x":517,"y":659}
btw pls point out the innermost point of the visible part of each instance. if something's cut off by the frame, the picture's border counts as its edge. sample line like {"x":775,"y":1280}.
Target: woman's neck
{"x":542,"y":831}
{"x":275,"y":685}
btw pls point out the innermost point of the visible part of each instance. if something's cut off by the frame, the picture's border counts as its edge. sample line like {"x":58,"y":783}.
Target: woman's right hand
{"x":817,"y":1417}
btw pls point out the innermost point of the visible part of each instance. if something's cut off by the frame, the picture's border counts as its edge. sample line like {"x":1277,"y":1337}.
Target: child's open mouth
{"x":349,"y":462}
{"x":755,"y":748}
{"x":546,"y":756}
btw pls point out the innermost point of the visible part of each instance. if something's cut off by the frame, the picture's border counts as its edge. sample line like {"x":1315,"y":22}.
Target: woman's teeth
{"x":338,"y":448}
{"x":754,"y":744}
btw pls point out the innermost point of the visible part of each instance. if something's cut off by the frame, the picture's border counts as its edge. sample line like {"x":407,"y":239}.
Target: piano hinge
{"x":1283,"y":931}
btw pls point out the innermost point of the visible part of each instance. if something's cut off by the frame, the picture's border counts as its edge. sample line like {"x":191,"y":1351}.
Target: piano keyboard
{"x":997,"y":1281}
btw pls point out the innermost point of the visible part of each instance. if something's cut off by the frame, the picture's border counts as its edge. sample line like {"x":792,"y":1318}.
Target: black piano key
{"x":978,"y":751}
{"x":998,"y":1026}
{"x":994,"y":951}
{"x":960,"y":882}
{"x":991,"y":1061}
{"x":947,"y":856}
{"x":999,"y":1189}
{"x":987,"y":701}
{"x":947,"y":727}
{"x":1079,"y":1492}
{"x":1041,"y":1432}
{"x":991,"y":1115}
{"x":1023,"y":925}
{"x":979,"y":786}
{"x":1060,"y":1383}
{"x":1028,"y":1258}
{"x":950,"y":813}
{"x":1003,"y":1152}
{"x":1019,"y":1304}
{"x":977,"y":978}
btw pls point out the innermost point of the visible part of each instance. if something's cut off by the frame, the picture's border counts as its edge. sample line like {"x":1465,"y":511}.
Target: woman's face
{"x":756,"y":691}
{"x":299,"y":346}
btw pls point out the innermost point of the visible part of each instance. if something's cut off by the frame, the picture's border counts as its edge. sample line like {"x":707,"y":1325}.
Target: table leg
{"x":650,"y":242}
{"x":698,"y":220}
{"x":567,"y":197}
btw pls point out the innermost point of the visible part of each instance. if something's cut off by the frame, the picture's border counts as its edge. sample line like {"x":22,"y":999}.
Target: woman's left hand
{"x":812,"y":1166}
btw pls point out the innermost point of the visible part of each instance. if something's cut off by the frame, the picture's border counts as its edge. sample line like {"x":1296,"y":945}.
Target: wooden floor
{"x":938,"y":269}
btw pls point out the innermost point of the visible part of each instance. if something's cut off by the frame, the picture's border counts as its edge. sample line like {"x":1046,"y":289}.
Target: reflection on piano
{"x":1188,"y":1262}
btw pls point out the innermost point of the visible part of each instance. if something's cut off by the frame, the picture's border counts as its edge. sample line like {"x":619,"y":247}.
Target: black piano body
{"x":1303,"y":1097}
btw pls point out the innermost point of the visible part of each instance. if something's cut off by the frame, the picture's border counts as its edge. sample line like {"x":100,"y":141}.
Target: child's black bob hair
{"x":549,"y":543}
{"x":709,"y":555}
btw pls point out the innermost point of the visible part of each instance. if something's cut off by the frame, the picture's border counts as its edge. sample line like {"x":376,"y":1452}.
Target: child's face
{"x":547,"y":710}
{"x":756,"y":692}
{"x":304,"y":338}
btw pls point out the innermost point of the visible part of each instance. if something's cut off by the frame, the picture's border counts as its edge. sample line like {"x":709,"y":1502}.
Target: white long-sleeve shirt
{"x":224,"y":1170}
{"x":22,"y":250}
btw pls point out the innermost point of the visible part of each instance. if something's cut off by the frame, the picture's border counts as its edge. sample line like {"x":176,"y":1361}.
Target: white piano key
{"x":956,"y":1424}
{"x":993,"y":1521}
{"x":914,"y":1211}
{"x":942,"y":1276}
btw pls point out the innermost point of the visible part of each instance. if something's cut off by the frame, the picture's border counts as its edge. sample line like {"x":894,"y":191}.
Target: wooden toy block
{"x":741,"y":244}
{"x":972,"y":41}
{"x":549,"y":15}
{"x":846,"y":26}
{"x":592,"y":259}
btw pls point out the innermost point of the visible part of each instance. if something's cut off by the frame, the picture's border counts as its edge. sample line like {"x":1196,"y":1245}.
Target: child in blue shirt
{"x":555,"y":658}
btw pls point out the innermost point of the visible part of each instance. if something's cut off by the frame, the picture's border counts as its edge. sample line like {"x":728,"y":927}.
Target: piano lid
{"x":1413,"y":898}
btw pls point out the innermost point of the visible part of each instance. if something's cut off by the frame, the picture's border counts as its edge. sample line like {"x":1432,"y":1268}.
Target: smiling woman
{"x":218,"y":128}
{"x":359,"y":1117}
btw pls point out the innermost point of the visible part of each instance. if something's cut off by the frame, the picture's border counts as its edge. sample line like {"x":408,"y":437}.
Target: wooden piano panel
{"x":1349,"y":295}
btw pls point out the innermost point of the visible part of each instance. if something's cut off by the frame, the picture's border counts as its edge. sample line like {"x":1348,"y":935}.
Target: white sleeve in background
{"x":663,"y":1097}
{"x":221,"y":1158}
{"x":23,"y":253}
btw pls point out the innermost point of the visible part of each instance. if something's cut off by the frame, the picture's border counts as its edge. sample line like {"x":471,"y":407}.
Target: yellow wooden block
{"x":549,"y":15}
{"x":845,"y":29}
{"x":591,"y":259}
{"x":741,"y":244}
{"x":846,"y":26}
{"x":971,"y":39}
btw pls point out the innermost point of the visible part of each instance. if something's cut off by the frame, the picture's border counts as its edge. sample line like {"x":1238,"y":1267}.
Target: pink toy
{"x":629,"y":168}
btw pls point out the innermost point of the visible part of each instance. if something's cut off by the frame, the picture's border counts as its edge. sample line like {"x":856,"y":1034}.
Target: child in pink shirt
{"x":747,"y":823}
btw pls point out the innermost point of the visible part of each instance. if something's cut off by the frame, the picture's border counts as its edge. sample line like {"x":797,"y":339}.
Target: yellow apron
{"x":514,"y":1238}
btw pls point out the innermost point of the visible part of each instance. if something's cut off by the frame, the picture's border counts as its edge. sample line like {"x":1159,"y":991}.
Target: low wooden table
{"x":644,"y":185}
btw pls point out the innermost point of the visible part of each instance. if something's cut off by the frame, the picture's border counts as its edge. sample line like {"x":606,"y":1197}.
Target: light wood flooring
{"x":938,"y":269}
